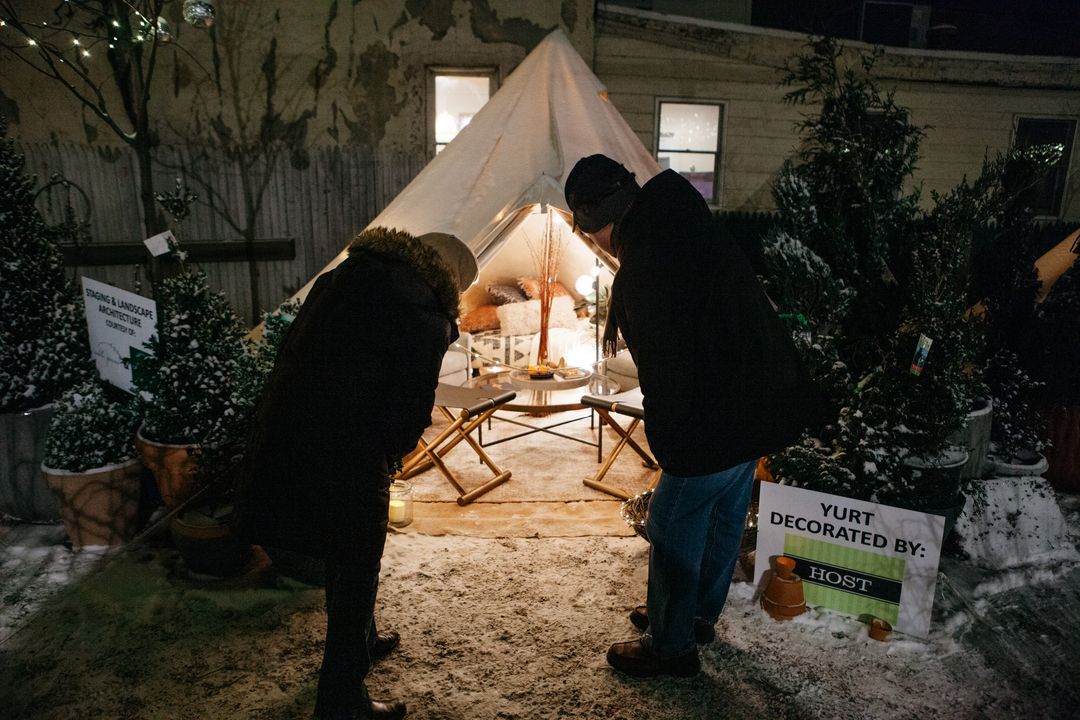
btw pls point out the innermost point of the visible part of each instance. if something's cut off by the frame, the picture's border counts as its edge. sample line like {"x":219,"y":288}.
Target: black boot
{"x":384,"y":644}
{"x":394,"y":710}
{"x":704,"y":633}
{"x":635,"y":659}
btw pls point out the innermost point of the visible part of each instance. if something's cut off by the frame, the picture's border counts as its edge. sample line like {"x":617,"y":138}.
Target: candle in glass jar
{"x":397,"y":511}
{"x":400,"y":510}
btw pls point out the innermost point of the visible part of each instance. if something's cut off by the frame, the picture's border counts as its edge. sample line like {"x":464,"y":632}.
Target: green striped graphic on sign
{"x":848,"y":602}
{"x":891,"y":568}
{"x":847,"y":579}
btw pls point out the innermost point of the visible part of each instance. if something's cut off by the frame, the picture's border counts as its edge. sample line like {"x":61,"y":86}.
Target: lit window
{"x":1048,"y":195}
{"x":459,"y":95}
{"x":689,"y":143}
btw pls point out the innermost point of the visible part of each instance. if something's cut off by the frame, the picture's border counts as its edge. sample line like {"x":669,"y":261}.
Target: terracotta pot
{"x":1063,"y":456}
{"x":208,"y":545}
{"x":24,"y":494}
{"x":99,"y":506}
{"x":174,"y":467}
{"x":783,"y":597}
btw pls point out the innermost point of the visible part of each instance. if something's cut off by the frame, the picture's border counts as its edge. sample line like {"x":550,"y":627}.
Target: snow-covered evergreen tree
{"x":43,"y":340}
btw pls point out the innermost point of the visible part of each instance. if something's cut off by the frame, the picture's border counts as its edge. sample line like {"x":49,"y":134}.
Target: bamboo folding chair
{"x":628,"y":404}
{"x":474,"y":406}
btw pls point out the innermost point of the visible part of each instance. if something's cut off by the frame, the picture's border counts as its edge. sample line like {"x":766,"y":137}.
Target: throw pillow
{"x":479,"y":319}
{"x":531,"y":287}
{"x":562,"y":313}
{"x":522,"y":318}
{"x":503,"y":294}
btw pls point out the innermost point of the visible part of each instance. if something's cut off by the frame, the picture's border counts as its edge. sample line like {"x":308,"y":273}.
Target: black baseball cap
{"x":598,"y":191}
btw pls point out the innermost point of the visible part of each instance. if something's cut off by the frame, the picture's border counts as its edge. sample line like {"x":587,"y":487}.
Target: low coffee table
{"x":548,"y":398}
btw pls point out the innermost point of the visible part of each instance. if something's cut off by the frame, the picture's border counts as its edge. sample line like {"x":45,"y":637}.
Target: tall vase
{"x":975,"y":436}
{"x":23,"y":492}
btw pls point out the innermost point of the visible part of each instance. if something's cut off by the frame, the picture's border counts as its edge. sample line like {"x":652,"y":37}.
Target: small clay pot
{"x":880,"y":629}
{"x":783,"y":597}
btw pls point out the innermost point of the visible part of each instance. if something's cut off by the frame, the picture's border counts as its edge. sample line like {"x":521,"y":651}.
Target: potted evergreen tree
{"x":187,"y":379}
{"x":90,"y":465}
{"x":43,"y":343}
{"x":875,"y":288}
{"x":203,"y":533}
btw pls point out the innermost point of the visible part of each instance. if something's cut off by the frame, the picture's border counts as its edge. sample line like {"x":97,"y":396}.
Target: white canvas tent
{"x":515,"y":154}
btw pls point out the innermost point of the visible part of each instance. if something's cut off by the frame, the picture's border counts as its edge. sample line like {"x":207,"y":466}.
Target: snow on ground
{"x":516,"y":628}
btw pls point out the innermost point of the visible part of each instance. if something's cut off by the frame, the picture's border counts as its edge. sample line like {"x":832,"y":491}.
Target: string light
{"x":86,"y":53}
{"x":31,"y":42}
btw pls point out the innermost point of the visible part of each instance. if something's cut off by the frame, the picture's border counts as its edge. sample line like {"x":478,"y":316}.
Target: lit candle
{"x":397,"y":511}
{"x":400,"y":510}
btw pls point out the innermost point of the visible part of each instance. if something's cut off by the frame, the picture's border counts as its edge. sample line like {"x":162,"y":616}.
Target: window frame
{"x":491,"y":71}
{"x":1075,"y":120}
{"x":716,"y":201}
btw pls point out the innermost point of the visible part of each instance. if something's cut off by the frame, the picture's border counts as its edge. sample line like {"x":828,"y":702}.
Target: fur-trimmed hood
{"x":403,"y":247}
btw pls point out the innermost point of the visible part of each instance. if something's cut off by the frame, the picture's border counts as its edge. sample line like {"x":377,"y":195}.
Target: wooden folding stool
{"x":474,"y":405}
{"x":629,"y":404}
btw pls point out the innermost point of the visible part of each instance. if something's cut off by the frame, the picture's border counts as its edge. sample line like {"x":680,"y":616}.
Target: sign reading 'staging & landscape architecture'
{"x":119,"y":323}
{"x":854,"y":557}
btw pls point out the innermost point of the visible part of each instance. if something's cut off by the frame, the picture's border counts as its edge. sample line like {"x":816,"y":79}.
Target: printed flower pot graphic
{"x":879,"y":629}
{"x":99,"y":506}
{"x":783,"y":597}
{"x":174,"y":467}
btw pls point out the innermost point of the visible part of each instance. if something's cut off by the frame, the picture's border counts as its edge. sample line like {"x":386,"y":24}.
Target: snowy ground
{"x":511,"y":628}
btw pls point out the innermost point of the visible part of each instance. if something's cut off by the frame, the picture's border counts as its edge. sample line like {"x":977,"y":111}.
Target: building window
{"x":886,"y":22}
{"x":1048,"y":195}
{"x":688,"y":142}
{"x":457,"y":94}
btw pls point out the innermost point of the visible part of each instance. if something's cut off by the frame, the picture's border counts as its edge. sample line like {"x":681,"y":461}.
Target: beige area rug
{"x":545,"y":495}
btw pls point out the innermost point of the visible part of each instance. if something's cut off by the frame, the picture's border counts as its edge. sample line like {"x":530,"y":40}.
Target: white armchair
{"x":457,"y":363}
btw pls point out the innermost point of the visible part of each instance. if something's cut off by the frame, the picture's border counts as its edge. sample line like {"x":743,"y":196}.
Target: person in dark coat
{"x":351,"y":391}
{"x":722,"y":382}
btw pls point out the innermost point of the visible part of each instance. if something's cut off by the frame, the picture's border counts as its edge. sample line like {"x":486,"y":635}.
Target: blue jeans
{"x":695,"y":526}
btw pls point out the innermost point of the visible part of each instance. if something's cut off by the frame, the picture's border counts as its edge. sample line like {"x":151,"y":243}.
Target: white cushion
{"x":523,"y":318}
{"x":622,"y":370}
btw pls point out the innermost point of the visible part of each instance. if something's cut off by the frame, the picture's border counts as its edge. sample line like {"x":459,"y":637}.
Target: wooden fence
{"x":317,"y":208}
{"x":308,"y":213}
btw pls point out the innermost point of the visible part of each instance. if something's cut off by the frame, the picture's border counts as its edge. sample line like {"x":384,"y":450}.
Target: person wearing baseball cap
{"x":351,"y":391}
{"x":723,"y":385}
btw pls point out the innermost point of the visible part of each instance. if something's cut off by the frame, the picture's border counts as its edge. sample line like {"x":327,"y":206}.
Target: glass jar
{"x":400,"y":513}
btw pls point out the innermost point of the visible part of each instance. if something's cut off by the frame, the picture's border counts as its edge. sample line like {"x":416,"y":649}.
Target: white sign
{"x":855,"y":557}
{"x":119,"y":323}
{"x":159,"y":244}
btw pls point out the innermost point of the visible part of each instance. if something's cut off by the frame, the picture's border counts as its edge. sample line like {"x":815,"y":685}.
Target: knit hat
{"x":457,"y":257}
{"x":598,"y":191}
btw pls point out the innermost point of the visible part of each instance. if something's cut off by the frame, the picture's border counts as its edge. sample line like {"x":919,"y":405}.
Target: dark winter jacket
{"x":351,"y":392}
{"x":721,"y":378}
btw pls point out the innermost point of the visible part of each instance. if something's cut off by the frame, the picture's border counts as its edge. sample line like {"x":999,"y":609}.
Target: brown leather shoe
{"x":704,"y":633}
{"x":382,"y":711}
{"x":635,"y":659}
{"x":384,"y":644}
